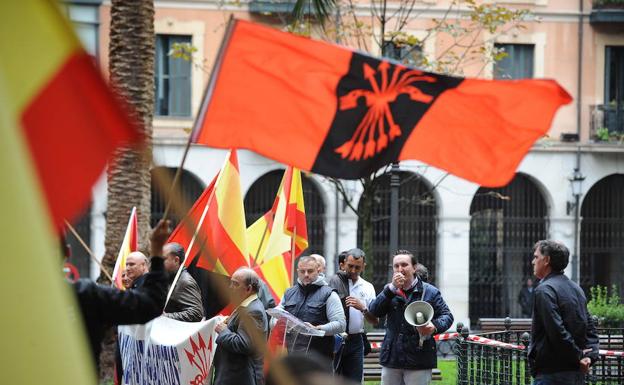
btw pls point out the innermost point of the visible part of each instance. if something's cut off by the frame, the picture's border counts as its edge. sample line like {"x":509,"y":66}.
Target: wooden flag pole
{"x":75,"y":233}
{"x":292,"y":254}
{"x":266,"y":230}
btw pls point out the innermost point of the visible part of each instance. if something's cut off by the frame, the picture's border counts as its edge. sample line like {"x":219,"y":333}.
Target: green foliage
{"x":607,"y":307}
{"x":603,"y":134}
{"x":183,"y":51}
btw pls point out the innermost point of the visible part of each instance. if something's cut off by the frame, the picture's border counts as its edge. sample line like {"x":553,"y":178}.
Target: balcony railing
{"x":607,"y":122}
{"x":607,"y":12}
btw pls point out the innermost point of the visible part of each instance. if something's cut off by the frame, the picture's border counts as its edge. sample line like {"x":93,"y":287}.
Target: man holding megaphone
{"x":415,"y":311}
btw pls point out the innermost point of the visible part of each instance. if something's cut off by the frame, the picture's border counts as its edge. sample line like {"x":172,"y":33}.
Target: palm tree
{"x":321,"y":8}
{"x":131,"y":66}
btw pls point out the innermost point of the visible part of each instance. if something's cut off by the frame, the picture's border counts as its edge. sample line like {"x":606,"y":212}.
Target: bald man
{"x":137,"y":265}
{"x":320,"y":260}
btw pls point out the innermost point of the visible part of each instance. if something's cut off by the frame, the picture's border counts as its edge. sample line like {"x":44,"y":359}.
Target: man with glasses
{"x":239,"y":359}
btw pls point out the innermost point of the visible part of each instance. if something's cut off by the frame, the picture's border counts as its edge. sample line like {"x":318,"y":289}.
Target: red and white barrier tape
{"x":611,"y":353}
{"x":490,"y":342}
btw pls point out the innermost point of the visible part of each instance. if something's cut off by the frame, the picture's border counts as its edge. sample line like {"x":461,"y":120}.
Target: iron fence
{"x":500,"y":358}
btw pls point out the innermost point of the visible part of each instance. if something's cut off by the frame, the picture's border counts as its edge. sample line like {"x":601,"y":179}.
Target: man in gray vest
{"x":313,"y":301}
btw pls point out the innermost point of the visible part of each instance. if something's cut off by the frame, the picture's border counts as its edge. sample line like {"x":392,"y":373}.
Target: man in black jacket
{"x":103,"y":306}
{"x":563,"y":338}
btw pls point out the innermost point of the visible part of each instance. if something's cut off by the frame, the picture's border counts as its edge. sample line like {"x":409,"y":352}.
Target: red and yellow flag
{"x":67,"y":116}
{"x":129,"y":244}
{"x":59,"y":126}
{"x":279,"y":233}
{"x":218,"y":218}
{"x":326,"y":109}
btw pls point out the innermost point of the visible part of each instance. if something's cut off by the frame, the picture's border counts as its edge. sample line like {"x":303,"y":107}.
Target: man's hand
{"x":584,"y":364}
{"x":310,"y":325}
{"x":220,"y":327}
{"x":159,"y":236}
{"x":398,"y":280}
{"x":355,"y":303}
{"x":426,"y":330}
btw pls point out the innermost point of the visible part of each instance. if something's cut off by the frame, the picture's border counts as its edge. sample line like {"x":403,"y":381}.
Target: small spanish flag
{"x":274,"y":237}
{"x":59,"y":126}
{"x":129,"y":244}
{"x":213,"y":232}
{"x":326,"y":109}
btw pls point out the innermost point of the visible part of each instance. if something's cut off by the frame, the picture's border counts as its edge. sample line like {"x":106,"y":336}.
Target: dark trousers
{"x":351,"y":364}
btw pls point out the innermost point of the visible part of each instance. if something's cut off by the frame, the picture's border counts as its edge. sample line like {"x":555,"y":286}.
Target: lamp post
{"x":395,"y":183}
{"x":576,"y":181}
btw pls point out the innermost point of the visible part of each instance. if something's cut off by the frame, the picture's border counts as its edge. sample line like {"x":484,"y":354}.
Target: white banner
{"x":166,"y":351}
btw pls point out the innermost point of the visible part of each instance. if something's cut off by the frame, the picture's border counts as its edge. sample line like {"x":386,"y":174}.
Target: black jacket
{"x":525,"y":298}
{"x":562,"y":327}
{"x":340,"y":283}
{"x":104,"y":306}
{"x":400,"y":348}
{"x":185,"y":303}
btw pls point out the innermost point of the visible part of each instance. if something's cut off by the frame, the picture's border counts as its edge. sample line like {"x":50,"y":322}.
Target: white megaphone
{"x":418,"y":313}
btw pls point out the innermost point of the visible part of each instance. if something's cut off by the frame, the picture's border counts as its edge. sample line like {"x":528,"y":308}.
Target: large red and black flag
{"x":332,"y":111}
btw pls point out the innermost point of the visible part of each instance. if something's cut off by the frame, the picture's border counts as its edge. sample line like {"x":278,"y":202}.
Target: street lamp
{"x":576,"y":181}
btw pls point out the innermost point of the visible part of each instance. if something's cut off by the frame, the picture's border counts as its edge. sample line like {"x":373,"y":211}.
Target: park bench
{"x":486,"y":325}
{"x":372,"y":369}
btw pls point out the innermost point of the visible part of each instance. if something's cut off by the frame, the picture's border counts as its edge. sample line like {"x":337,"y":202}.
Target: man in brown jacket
{"x":185,"y":303}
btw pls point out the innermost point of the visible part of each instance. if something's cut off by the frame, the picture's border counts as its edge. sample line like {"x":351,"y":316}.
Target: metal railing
{"x":500,"y":358}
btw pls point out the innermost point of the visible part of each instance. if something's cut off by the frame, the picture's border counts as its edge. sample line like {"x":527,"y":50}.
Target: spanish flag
{"x":58,"y":127}
{"x":279,"y":233}
{"x":214,"y":230}
{"x":129,"y":244}
{"x":327,"y":109}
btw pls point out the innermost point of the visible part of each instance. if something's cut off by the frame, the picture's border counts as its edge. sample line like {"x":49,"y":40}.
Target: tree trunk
{"x":132,"y":75}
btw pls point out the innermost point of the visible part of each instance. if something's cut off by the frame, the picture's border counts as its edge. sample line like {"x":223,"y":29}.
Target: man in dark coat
{"x":185,"y":303}
{"x":403,"y":358}
{"x":525,"y":298}
{"x":564,"y":342}
{"x":238,"y":359}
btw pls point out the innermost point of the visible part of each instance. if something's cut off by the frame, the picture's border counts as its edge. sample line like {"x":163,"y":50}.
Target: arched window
{"x":191,"y":186}
{"x":602,"y":234}
{"x":417,"y":226}
{"x":261,"y":195}
{"x":505,"y":224}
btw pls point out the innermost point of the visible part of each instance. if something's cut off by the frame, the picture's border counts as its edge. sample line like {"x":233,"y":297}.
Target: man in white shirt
{"x":357,"y":294}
